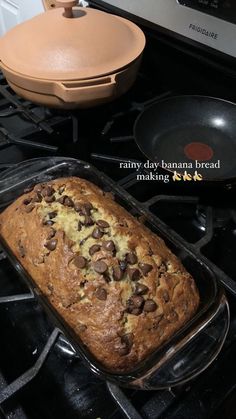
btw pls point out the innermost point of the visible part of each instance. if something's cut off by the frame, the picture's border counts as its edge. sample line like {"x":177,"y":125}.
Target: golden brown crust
{"x":114,"y":282}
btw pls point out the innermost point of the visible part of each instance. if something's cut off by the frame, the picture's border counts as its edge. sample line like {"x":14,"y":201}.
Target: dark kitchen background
{"x":40,"y":374}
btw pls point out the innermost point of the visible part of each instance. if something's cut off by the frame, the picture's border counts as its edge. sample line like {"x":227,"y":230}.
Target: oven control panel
{"x":209,"y":22}
{"x":222,"y":9}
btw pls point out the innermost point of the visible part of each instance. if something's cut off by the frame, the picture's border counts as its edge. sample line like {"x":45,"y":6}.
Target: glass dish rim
{"x":89,"y":359}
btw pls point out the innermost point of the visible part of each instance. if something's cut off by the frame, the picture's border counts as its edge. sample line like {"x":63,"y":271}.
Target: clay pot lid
{"x":71,"y":44}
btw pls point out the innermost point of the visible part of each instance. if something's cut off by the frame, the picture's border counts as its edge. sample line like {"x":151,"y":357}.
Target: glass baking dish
{"x":194,"y":347}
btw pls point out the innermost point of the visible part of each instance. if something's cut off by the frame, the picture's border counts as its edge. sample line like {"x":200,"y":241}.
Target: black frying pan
{"x":186,"y":129}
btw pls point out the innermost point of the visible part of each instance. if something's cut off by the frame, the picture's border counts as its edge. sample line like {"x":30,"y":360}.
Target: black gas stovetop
{"x":40,"y":376}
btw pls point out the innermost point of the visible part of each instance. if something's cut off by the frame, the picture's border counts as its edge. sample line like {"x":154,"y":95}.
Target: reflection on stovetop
{"x":48,"y":380}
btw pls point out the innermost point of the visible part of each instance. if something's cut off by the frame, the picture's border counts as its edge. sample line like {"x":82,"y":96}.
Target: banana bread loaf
{"x":113,"y":281}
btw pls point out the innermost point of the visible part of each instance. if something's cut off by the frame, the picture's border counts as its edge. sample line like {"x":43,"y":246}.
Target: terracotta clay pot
{"x":72,"y":56}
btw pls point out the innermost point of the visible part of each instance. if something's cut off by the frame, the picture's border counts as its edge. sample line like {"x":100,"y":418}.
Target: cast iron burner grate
{"x":19,"y":106}
{"x":7,"y":139}
{"x":20,"y":121}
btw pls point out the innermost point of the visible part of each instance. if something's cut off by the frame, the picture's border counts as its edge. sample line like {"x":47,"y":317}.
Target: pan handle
{"x":73,"y":91}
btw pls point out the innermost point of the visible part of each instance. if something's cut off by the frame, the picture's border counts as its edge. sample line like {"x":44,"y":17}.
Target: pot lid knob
{"x":68,"y":5}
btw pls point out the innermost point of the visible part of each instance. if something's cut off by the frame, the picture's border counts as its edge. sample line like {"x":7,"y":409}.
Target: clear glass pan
{"x":191,"y":349}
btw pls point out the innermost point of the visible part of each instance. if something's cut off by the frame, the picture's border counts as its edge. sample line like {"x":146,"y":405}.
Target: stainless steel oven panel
{"x":198,"y":26}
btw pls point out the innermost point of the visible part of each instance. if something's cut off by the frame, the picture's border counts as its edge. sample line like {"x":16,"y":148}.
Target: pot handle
{"x":49,"y":4}
{"x":68,"y":5}
{"x":73,"y":91}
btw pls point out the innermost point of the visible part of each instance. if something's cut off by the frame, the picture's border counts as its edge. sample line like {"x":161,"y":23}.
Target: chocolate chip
{"x":101,"y":294}
{"x":149,"y":306}
{"x":123,"y":349}
{"x":52,"y":214}
{"x":117,"y":273}
{"x":123,"y":265}
{"x":136,"y":301}
{"x":84,"y":212}
{"x":88,"y":221}
{"x":28,"y":189}
{"x":134,"y":310}
{"x":51,"y":244}
{"x":166,"y":296}
{"x":27,"y":201}
{"x":78,"y":207}
{"x":150,"y":251}
{"x":145,"y":268}
{"x":38,"y":188}
{"x":162,"y":268}
{"x":29,"y":208}
{"x":80,"y":262}
{"x":21,"y":249}
{"x":50,"y":190}
{"x":135,"y":305}
{"x":141,"y":289}
{"x":97,"y":233}
{"x":68,"y":202}
{"x":94,"y":249}
{"x":100,"y":267}
{"x":48,"y":223}
{"x":134,"y":274}
{"x":102,"y":224}
{"x":49,"y":199}
{"x":37,"y":197}
{"x":128,"y":339}
{"x":61,"y":189}
{"x":83,"y":283}
{"x":109,"y":246}
{"x":79,"y":226}
{"x":107,"y":277}
{"x":131,"y":258}
{"x":51,"y":233}
{"x":86,"y":208}
{"x":81,"y":328}
{"x":47,"y":191}
{"x":61,"y":200}
{"x":127,"y":343}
